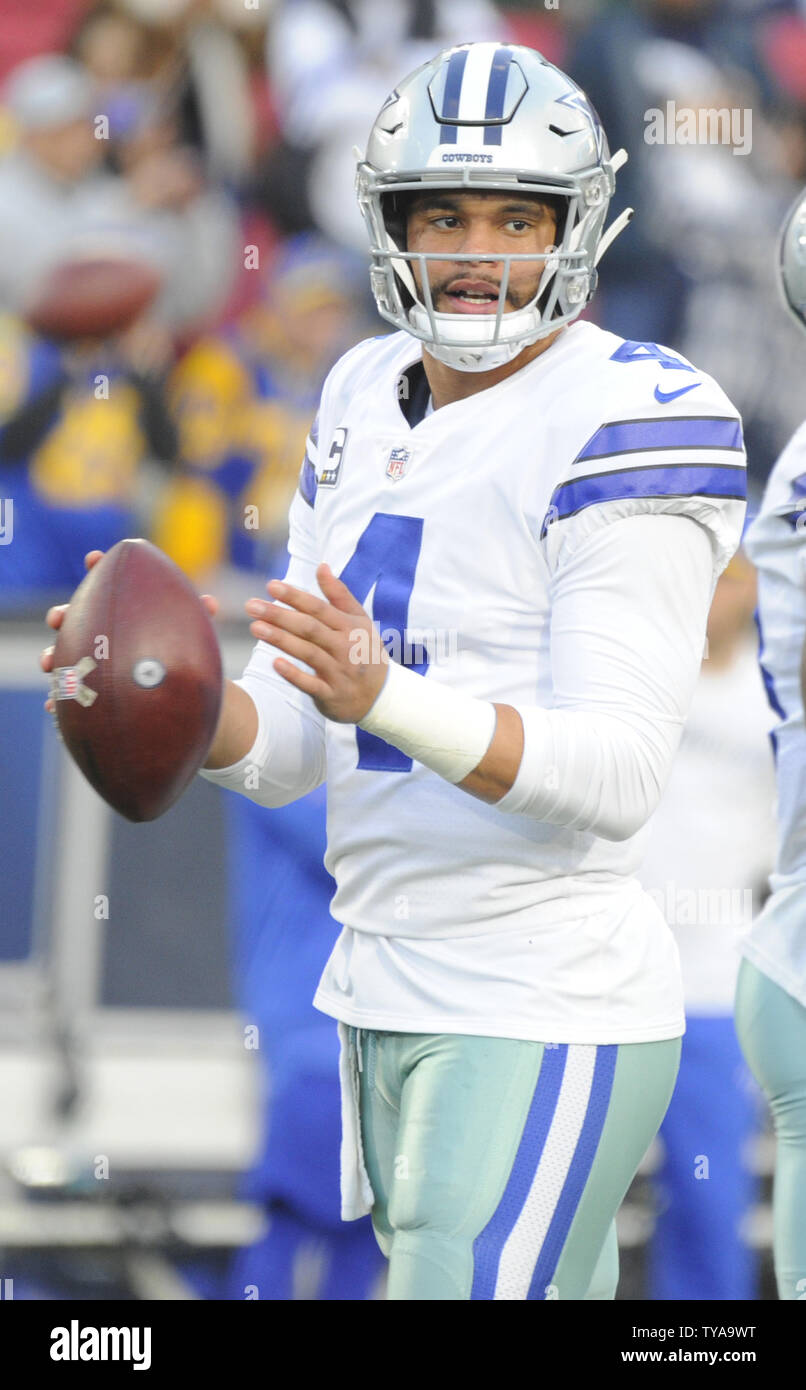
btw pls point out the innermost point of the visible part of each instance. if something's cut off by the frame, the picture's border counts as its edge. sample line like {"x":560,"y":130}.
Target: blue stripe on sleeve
{"x":307,"y":481}
{"x":670,"y":480}
{"x":678,"y":432}
{"x":578,"y":1171}
{"x":451,"y":95}
{"x":496,"y":91}
{"x":490,"y":1242}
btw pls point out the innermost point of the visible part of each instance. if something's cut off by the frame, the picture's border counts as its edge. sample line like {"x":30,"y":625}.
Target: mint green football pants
{"x":771,"y":1028}
{"x":498,"y":1165}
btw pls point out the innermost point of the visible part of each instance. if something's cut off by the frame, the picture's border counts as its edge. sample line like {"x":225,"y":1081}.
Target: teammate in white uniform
{"x":771,"y":990}
{"x":533,"y":513}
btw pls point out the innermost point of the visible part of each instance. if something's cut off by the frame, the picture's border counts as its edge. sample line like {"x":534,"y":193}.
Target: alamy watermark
{"x":704,"y":907}
{"x":700,"y":125}
{"x":431,"y":646}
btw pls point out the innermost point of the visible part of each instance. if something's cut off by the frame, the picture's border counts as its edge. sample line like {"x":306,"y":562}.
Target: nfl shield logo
{"x":398,"y":462}
{"x":68,"y":684}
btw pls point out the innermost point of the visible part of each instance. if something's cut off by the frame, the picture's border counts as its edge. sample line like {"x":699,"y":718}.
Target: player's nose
{"x":476,"y":242}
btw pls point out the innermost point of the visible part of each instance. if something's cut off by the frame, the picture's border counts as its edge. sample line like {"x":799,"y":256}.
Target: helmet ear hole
{"x":394,"y":211}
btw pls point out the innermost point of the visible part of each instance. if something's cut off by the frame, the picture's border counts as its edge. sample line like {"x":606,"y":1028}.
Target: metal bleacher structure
{"x":129,"y":1107}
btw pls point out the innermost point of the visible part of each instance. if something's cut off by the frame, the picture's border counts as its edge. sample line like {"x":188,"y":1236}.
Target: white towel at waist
{"x":357,"y":1197}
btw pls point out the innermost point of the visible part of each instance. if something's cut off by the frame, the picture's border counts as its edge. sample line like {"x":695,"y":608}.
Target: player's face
{"x":482,"y":224}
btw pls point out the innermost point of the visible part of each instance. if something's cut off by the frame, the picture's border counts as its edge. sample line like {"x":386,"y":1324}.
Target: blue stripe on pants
{"x":488,"y":1245}
{"x":578,"y":1171}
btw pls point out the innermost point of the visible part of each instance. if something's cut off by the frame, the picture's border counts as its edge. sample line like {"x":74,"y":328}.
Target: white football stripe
{"x":476,"y":80}
{"x":525,"y":1240}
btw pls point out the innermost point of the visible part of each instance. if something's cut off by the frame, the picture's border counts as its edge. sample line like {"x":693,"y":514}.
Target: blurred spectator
{"x":244,"y":400}
{"x":332,"y":63}
{"x":201,"y":56}
{"x":55,"y":199}
{"x":77,"y":431}
{"x":52,"y":187}
{"x":694,"y":272}
{"x":711,"y":846}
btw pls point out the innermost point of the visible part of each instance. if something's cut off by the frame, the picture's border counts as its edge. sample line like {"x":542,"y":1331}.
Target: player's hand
{"x":334,"y":635}
{"x":55,"y":617}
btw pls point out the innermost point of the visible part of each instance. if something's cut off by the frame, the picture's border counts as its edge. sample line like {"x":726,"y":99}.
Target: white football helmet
{"x":792,"y":259}
{"x":487,"y":116}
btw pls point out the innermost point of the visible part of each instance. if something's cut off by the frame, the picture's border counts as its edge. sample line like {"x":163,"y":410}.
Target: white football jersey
{"x":776,"y":543}
{"x":456,"y":916}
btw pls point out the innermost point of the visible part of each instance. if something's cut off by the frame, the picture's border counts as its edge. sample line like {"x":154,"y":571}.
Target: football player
{"x":506,"y":537}
{"x":771,"y":989}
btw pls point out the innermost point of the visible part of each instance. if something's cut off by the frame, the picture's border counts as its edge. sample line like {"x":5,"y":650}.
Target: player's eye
{"x":446,"y":220}
{"x":518,"y":224}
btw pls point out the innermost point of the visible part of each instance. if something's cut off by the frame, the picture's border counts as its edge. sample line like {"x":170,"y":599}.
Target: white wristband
{"x":442,"y":728}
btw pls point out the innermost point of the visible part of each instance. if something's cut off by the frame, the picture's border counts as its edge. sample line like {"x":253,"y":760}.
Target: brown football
{"x":91,"y":297}
{"x":137,"y":680}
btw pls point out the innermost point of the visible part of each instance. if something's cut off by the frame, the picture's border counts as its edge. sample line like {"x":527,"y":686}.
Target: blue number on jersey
{"x":649,"y":352}
{"x":386,"y":556}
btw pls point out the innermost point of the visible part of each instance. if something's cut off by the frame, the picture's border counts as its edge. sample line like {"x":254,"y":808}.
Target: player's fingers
{"x":92,"y":557}
{"x":46,"y":659}
{"x":336,"y":591}
{"x":55,"y":615}
{"x":303,"y":680}
{"x":304,"y":625}
{"x":303,"y":602}
{"x":308,"y":652}
{"x":211,"y":604}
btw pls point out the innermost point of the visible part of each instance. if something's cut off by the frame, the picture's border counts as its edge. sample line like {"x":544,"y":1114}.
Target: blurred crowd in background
{"x":225,"y":158}
{"x":226,"y":161}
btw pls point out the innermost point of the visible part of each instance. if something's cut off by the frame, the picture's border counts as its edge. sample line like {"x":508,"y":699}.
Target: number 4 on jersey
{"x":649,"y":352}
{"x":386,"y":559}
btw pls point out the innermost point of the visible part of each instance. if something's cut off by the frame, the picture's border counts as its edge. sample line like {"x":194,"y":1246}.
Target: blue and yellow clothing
{"x":72,"y":438}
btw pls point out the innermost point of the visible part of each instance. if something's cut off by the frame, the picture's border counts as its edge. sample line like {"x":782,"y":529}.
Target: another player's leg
{"x":771,"y":1026}
{"x":509,"y":1160}
{"x":697,"y":1251}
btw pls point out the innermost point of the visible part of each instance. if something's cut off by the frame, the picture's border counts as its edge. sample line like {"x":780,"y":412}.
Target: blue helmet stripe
{"x":496,"y":91}
{"x":450,"y":99}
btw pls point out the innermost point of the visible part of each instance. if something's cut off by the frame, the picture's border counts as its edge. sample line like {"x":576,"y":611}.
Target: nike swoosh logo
{"x":665,"y":396}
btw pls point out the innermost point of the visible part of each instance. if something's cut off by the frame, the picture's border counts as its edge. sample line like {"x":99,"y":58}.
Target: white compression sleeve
{"x":628,"y":619}
{"x":287,"y":759}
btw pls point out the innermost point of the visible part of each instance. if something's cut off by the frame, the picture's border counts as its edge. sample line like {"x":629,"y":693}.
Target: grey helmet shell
{"x":792,"y":259}
{"x":496,"y":117}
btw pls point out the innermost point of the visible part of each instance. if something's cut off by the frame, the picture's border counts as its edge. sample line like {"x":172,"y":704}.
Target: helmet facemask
{"x":480,"y":342}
